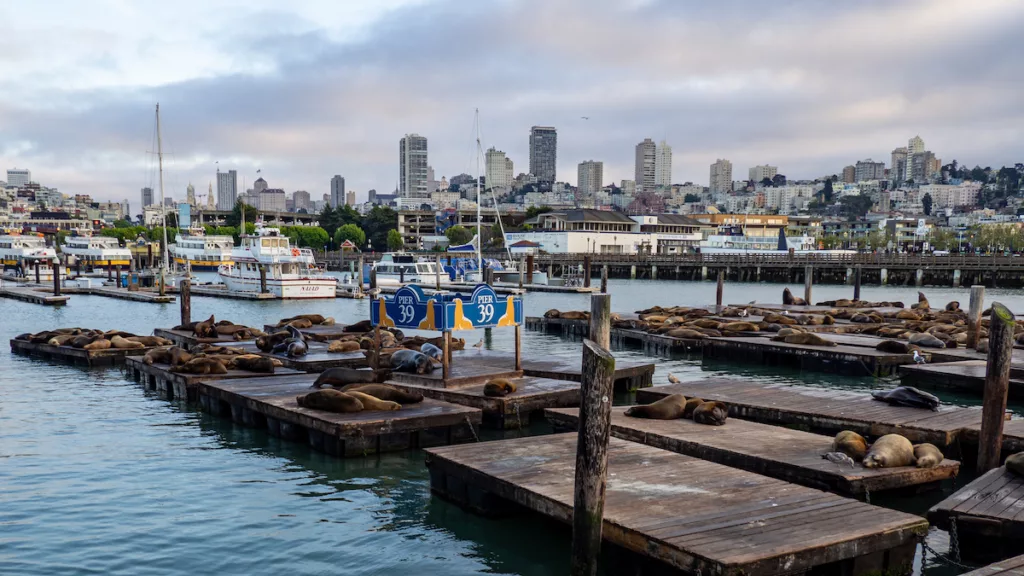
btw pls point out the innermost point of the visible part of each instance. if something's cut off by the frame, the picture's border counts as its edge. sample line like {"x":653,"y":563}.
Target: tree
{"x":978,"y":174}
{"x":328,"y":220}
{"x":235,"y":218}
{"x":854,"y":206}
{"x":122,"y":224}
{"x":691,"y":198}
{"x":377,"y":223}
{"x":766,"y":181}
{"x":306,"y":236}
{"x":827,"y":192}
{"x":534,"y":211}
{"x":352,"y":233}
{"x":347,"y":215}
{"x":395,"y":241}
{"x":779,"y":180}
{"x":458,"y":235}
{"x":926,"y":204}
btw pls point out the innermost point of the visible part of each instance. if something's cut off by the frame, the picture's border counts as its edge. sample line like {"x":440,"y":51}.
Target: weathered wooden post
{"x":163,"y":283}
{"x":808,"y":283}
{"x":376,"y":347}
{"x":149,"y":254}
{"x":110,"y":271}
{"x":856,"y":282}
{"x":719,"y":291}
{"x":359,"y":277}
{"x":522,"y":271}
{"x":437,"y":272}
{"x":604,"y":279}
{"x":529,"y":268}
{"x":446,"y":343}
{"x":263,"y":279}
{"x":997,"y":383}
{"x":519,"y":347}
{"x":974,"y":317}
{"x":586,"y":271}
{"x":117,"y":275}
{"x":37,"y":272}
{"x":601,"y":320}
{"x":56,"y":278}
{"x":591,"y":458}
{"x":185,"y":298}
{"x":373,"y":279}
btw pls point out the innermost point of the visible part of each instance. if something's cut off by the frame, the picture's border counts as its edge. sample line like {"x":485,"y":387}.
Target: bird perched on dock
{"x":743,"y":313}
{"x":479,"y":345}
{"x":918,"y":359}
{"x":673,"y":379}
{"x":374,"y":292}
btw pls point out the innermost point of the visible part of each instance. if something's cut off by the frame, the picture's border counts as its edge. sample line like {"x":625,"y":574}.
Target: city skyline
{"x":282,"y":90}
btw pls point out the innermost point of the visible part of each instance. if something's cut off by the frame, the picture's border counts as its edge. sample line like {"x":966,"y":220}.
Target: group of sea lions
{"x":211,"y":330}
{"x":210,"y":359}
{"x":889,"y":451}
{"x":290,"y":341}
{"x":89,"y":339}
{"x":346,"y":390}
{"x":303,"y":321}
{"x":678,"y":406}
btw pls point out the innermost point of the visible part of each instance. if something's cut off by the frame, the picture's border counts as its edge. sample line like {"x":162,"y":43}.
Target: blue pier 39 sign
{"x":410,"y":308}
{"x":484,"y":309}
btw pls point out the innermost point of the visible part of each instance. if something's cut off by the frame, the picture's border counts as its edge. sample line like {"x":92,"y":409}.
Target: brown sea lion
{"x":922,"y":302}
{"x":178,"y":355}
{"x":267,"y":342}
{"x":1015,"y":463}
{"x":907,"y":315}
{"x":850,"y":443}
{"x":254,"y":363}
{"x":61,"y":339}
{"x":157,"y":356}
{"x":150,"y":340}
{"x":341,"y":346}
{"x":411,"y":361}
{"x":574,"y":315}
{"x":499,"y":387}
{"x":926,"y":341}
{"x":690,"y":406}
{"x":201,"y":366}
{"x":99,"y":344}
{"x":82,"y":340}
{"x":361,"y":326}
{"x":371,"y":403}
{"x":206,"y":329}
{"x":808,"y":338}
{"x":299,"y":324}
{"x":711,"y":413}
{"x":739,"y":327}
{"x":790,"y":300}
{"x":330,"y":400}
{"x":780,"y":319}
{"x":685,"y":333}
{"x":895,"y":347}
{"x":927,"y":455}
{"x":385,"y":392}
{"x":109,"y":334}
{"x":890,"y":451}
{"x":668,"y":408}
{"x":313,"y":319}
{"x":341,"y":377}
{"x":553,"y":313}
{"x":705,"y":323}
{"x":952,"y":306}
{"x":122,"y":343}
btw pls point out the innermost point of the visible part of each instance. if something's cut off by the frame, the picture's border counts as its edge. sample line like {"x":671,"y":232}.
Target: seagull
{"x":673,"y":379}
{"x":479,"y":345}
{"x":785,"y":312}
{"x":585,"y":117}
{"x":743,"y":313}
{"x":752,"y":302}
{"x":918,"y":359}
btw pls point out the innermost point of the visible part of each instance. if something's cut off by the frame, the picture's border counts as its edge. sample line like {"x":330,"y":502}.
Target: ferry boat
{"x":88,"y":252}
{"x":290,"y":272}
{"x":195,"y":250}
{"x":733,"y":240}
{"x":20,"y":252}
{"x":398,"y":268}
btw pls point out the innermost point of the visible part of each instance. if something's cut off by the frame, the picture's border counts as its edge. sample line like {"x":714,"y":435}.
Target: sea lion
{"x":907,"y":315}
{"x":254,"y":363}
{"x":927,"y":455}
{"x":575,"y":315}
{"x":739,"y":327}
{"x":790,"y":300}
{"x":690,"y":406}
{"x":808,"y":338}
{"x":787,"y":331}
{"x":98,"y":344}
{"x":267,"y":342}
{"x":499,"y":387}
{"x":340,"y":346}
{"x":431,"y":351}
{"x":313,"y":319}
{"x":952,"y":306}
{"x":372,"y":402}
{"x":361,"y":326}
{"x":907,"y":396}
{"x":668,"y":408}
{"x":1015,"y":463}
{"x":339,"y":377}
{"x":109,"y":334}
{"x":553,"y":313}
{"x":895,"y":347}
{"x":299,"y":323}
{"x":385,"y":392}
{"x":61,"y":339}
{"x":712,"y":413}
{"x":296,"y":348}
{"x":330,"y":401}
{"x":82,"y":340}
{"x":157,"y":356}
{"x":206,"y":328}
{"x":178,"y":355}
{"x":850,"y":443}
{"x":685,"y":333}
{"x":922,"y":302}
{"x":119,"y":342}
{"x":150,"y":340}
{"x":705,"y":323}
{"x":201,"y":366}
{"x":411,"y":361}
{"x":926,"y":340}
{"x":780,"y":319}
{"x":890,"y":451}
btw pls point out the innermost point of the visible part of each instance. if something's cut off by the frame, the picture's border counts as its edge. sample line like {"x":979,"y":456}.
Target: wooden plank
{"x":1011,"y":567}
{"x":994,"y":501}
{"x":629,"y":374}
{"x":790,"y":455}
{"x":967,"y":375}
{"x":692,"y":514}
{"x":317,"y":359}
{"x":176,"y":385}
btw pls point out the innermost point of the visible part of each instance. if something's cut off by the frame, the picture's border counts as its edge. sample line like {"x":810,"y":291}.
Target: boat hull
{"x":287,"y":288}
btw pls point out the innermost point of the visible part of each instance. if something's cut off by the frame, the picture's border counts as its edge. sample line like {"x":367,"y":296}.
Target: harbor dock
{"x":629,"y":374}
{"x":70,"y":355}
{"x":988,"y":513}
{"x":790,"y":455}
{"x":121,"y":293}
{"x":187,"y":338}
{"x":1012,"y":567}
{"x":32,"y":295}
{"x":967,"y":376}
{"x":178,"y":386}
{"x":842,"y":358}
{"x":317,"y":359}
{"x":683,"y":513}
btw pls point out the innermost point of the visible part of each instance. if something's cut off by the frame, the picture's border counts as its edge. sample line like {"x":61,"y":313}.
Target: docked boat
{"x":86,"y":252}
{"x":398,"y":268}
{"x":194,"y":249}
{"x":20,"y":252}
{"x":290,"y":272}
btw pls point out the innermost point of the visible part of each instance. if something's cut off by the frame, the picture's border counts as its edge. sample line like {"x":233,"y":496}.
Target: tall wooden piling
{"x":37,"y":272}
{"x":586,"y":271}
{"x":263,"y":279}
{"x":529,"y":268}
{"x":604,"y":279}
{"x":719,"y":291}
{"x":56,"y":279}
{"x":437,"y":272}
{"x":522,"y":271}
{"x":446,"y":343}
{"x":997,"y":383}
{"x":808,"y":283}
{"x":591,"y":458}
{"x":601,"y":320}
{"x":359,"y":276}
{"x":373,"y":279}
{"x":185,"y":299}
{"x":856,"y":282}
{"x":974,"y":316}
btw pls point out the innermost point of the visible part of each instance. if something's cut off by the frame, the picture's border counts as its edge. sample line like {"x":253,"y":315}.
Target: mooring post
{"x":376,"y":347}
{"x":586,"y":271}
{"x":446,"y":344}
{"x":437,"y":272}
{"x":856,"y":283}
{"x":719,"y":290}
{"x":149,"y":255}
{"x":359,"y":277}
{"x":529,"y":268}
{"x":163,"y":283}
{"x":522,"y":271}
{"x":373,"y":279}
{"x":56,"y":279}
{"x":519,"y":347}
{"x":604,"y":279}
{"x":263,"y":279}
{"x":591,"y":458}
{"x":110,"y":271}
{"x":974,"y":317}
{"x":808,"y":283}
{"x":185,"y":297}
{"x":37,"y":272}
{"x":997,"y":383}
{"x":601,"y":320}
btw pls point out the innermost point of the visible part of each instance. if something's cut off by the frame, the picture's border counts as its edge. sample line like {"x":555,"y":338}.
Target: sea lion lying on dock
{"x":372,"y":402}
{"x":361,"y":326}
{"x":432,"y":351}
{"x":150,"y":340}
{"x":907,"y":396}
{"x":294,"y":345}
{"x":806,"y":338}
{"x":690,"y":406}
{"x":330,"y":400}
{"x":1015,"y":463}
{"x":685,"y":333}
{"x":385,"y":392}
{"x":341,"y":377}
{"x":206,"y":329}
{"x":201,"y":366}
{"x":739,"y":327}
{"x":895,"y":347}
{"x":553,"y":313}
{"x":926,"y":340}
{"x":299,"y":323}
{"x":499,"y":387}
{"x":123,"y":343}
{"x":668,"y":408}
{"x":850,"y":443}
{"x":574,"y":315}
{"x":790,"y":300}
{"x":98,"y":344}
{"x":711,"y":413}
{"x":890,"y":451}
{"x":411,"y":362}
{"x":314,"y":319}
{"x":254,"y":363}
{"x":342,"y":346}
{"x":927,"y":455}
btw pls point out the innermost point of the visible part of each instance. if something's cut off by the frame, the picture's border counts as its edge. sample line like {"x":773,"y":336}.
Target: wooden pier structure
{"x":989,"y":515}
{"x":67,"y":354}
{"x":629,"y":374}
{"x":966,"y":376}
{"x":682,"y":513}
{"x":178,"y":386}
{"x":1012,"y":567}
{"x":842,"y":358}
{"x":186,"y":338}
{"x":146,"y":295}
{"x":790,"y":455}
{"x":32,"y":295}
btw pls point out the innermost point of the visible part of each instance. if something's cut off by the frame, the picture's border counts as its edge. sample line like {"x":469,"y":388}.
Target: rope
{"x":519,"y":419}
{"x":471,"y":429}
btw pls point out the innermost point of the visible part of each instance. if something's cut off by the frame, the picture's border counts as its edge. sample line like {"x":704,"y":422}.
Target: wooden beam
{"x":997,"y":383}
{"x":601,"y":320}
{"x":974,"y":316}
{"x":185,"y":299}
{"x":719,"y":291}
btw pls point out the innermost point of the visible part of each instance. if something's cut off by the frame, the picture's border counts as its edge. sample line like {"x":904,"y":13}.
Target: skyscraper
{"x":412,"y":167}
{"x":663,"y":165}
{"x":898,"y":166}
{"x":915,"y":145}
{"x":147,"y":197}
{"x":18,"y":177}
{"x":869,"y":170}
{"x":498,"y":169}
{"x":645,"y":165}
{"x":300,"y":201}
{"x":227,"y":189}
{"x":337,"y":191}
{"x":543,"y":152}
{"x":350,"y":198}
{"x":721,"y":177}
{"x":589,"y":176}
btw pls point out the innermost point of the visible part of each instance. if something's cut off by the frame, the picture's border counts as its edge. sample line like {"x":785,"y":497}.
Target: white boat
{"x":399,"y":268}
{"x":87,"y":252}
{"x":196,"y":250}
{"x":290,"y":272}
{"x":20,"y":252}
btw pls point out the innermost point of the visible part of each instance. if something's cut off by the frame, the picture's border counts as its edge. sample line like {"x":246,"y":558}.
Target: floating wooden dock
{"x":332,"y":332}
{"x":657,"y":344}
{"x":317,"y":359}
{"x":968,"y":376}
{"x":121,"y":294}
{"x":26,"y":294}
{"x":989,"y":515}
{"x":790,"y":455}
{"x":186,"y":338}
{"x":516,"y":410}
{"x":1011,"y":567}
{"x":108,"y":357}
{"x":842,"y":358}
{"x":629,"y":374}
{"x":824,"y":410}
{"x":179,"y":386}
{"x":270,"y":402}
{"x":694,"y":516}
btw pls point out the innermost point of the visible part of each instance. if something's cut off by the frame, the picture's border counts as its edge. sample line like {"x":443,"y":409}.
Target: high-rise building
{"x":898,"y":166}
{"x":432,"y":183}
{"x":300,"y":201}
{"x":227,"y":189}
{"x":915,"y":145}
{"x":412,"y":166}
{"x":337,"y":191}
{"x":721,"y":177}
{"x":663,"y":165}
{"x":920,"y":167}
{"x":272,"y":200}
{"x":644,"y":169}
{"x":543,"y":152}
{"x":147,"y":197}
{"x":498,"y":170}
{"x":869,"y":170}
{"x":259,"y":185}
{"x":190,"y":195}
{"x":849,"y":174}
{"x":18,"y":177}
{"x":590,"y":174}
{"x":760,"y":172}
{"x":628,"y":187}
{"x":350,"y":198}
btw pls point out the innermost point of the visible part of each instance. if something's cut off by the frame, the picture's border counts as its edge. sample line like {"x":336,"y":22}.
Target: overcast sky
{"x":307,"y":89}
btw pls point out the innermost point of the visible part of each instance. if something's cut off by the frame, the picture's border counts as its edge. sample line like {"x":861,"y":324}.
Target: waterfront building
{"x":607,"y":232}
{"x":18,"y":177}
{"x":543,"y":153}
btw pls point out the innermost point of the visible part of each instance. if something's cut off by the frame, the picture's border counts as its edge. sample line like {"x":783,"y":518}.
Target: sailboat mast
{"x":163,"y":203}
{"x":479,"y":187}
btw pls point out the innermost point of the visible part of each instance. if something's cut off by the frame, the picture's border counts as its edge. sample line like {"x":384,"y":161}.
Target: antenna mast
{"x":479,"y":188}
{"x":163,"y":202}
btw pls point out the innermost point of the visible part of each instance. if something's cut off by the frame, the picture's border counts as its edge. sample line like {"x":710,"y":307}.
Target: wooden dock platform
{"x":26,"y":294}
{"x":184,"y":386}
{"x":629,"y":374}
{"x":317,"y":359}
{"x":122,"y":294}
{"x":516,"y":410}
{"x":186,"y":338}
{"x":693,"y":515}
{"x":327,"y":332}
{"x":270,"y":402}
{"x":790,"y":455}
{"x":108,"y":357}
{"x":844,"y":359}
{"x":989,"y":515}
{"x":824,"y":410}
{"x":967,"y":376}
{"x":1010,"y":567}
{"x":656,"y":344}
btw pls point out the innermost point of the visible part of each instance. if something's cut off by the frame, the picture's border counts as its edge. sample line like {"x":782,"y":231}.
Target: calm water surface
{"x":98,"y":476}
